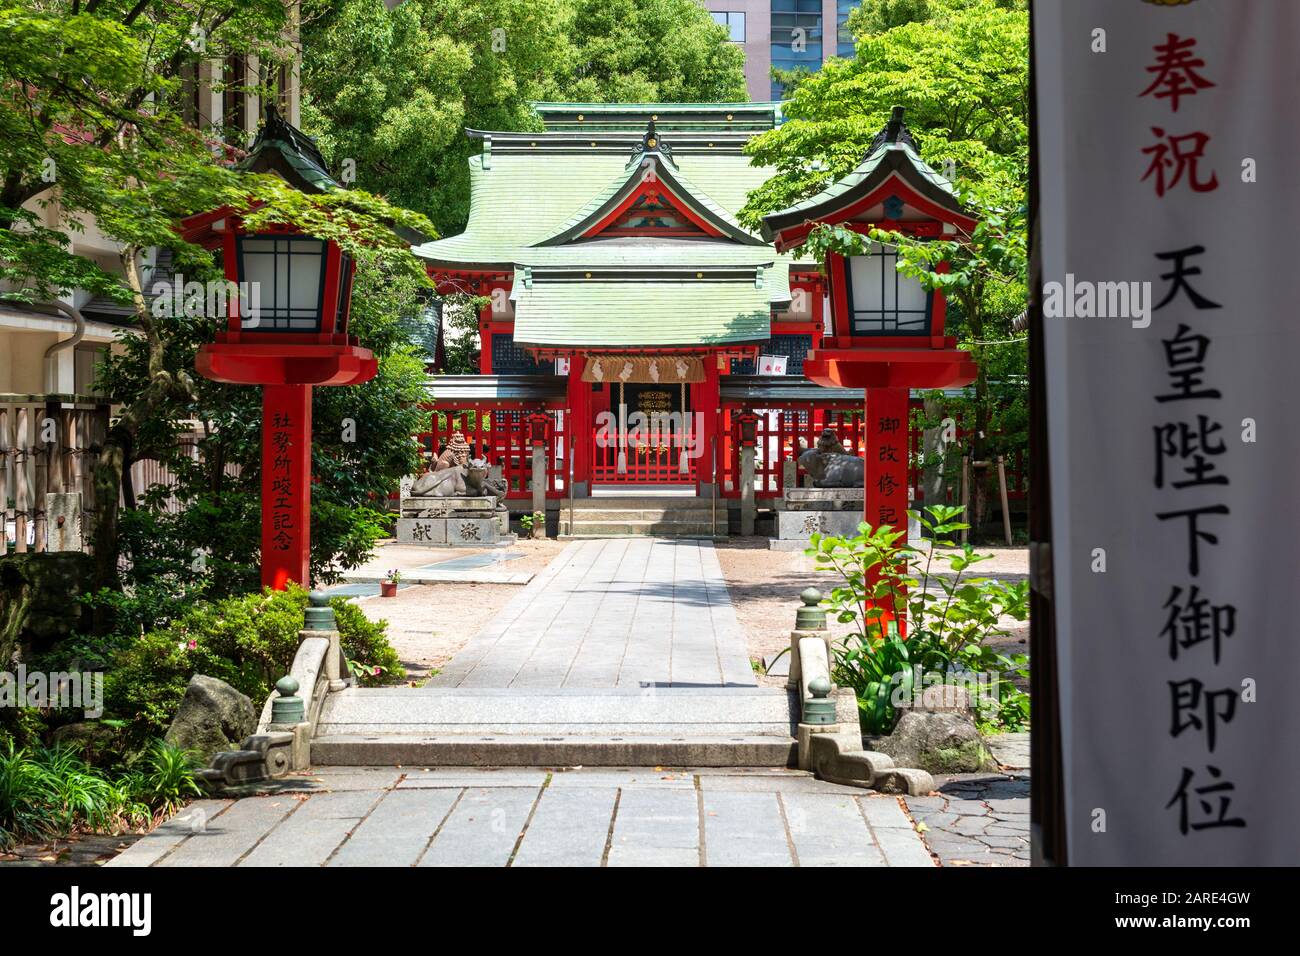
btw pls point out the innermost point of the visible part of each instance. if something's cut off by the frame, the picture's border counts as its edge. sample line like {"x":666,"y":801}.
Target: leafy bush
{"x":51,"y":792}
{"x":249,"y":642}
{"x":948,"y":620}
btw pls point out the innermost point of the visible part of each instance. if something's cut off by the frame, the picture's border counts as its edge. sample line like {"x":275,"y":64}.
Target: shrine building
{"x":624,"y":295}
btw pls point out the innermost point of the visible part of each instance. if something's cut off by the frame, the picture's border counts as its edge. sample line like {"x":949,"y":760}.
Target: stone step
{"x":650,"y":726}
{"x":626,"y":502}
{"x":645,"y":514}
{"x":413,"y":750}
{"x":658,"y":529}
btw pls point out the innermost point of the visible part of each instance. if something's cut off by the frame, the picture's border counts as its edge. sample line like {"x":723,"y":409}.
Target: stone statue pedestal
{"x":803,"y":511}
{"x":453,"y":522}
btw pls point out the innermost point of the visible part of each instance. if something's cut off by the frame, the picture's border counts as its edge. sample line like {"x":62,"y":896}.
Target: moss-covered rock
{"x":943,"y":742}
{"x":213,"y":717}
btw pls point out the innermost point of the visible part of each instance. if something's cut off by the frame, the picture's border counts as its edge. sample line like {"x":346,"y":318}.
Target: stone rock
{"x":213,"y":717}
{"x":941,"y":742}
{"x":89,"y":738}
{"x":833,"y":471}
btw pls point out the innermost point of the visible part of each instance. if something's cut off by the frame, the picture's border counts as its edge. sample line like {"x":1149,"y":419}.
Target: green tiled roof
{"x":669,"y":310}
{"x":621,"y":186}
{"x":533,"y":196}
{"x":523,"y":199}
{"x":893,"y":151}
{"x":670,"y":116}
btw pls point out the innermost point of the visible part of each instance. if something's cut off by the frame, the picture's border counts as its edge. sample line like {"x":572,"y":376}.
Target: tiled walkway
{"x":456,"y":817}
{"x":618,"y":612}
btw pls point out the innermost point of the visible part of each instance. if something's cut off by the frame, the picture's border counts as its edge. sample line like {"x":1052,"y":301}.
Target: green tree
{"x":393,"y":91}
{"x":651,"y":51}
{"x":962,"y":76}
{"x":92,"y":128}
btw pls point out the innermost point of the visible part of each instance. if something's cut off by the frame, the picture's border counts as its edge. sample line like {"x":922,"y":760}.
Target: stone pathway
{"x":977,"y":819}
{"x":618,"y":612}
{"x":981,"y":819}
{"x":597,"y":817}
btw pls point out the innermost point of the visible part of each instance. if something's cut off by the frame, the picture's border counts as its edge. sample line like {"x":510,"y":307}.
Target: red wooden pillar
{"x":286,"y":485}
{"x":885,"y":451}
{"x":886,"y":457}
{"x":578,"y":429}
{"x":707,"y":396}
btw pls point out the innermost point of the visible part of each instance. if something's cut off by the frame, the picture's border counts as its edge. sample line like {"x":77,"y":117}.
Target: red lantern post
{"x":888,"y":335}
{"x":287,"y":331}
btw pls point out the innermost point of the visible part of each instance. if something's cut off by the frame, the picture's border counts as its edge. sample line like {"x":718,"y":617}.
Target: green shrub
{"x":249,"y":642}
{"x":48,"y":792}
{"x":365,"y":644}
{"x":949,"y":620}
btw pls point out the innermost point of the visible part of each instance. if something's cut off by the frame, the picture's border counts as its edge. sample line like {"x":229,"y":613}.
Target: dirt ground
{"x":765,"y":587}
{"x":428,"y":623}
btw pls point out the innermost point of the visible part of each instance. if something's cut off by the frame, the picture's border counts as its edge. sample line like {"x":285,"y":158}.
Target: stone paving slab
{"x":976,"y":819}
{"x":617,"y":612}
{"x":532,"y":817}
{"x":483,"y":828}
{"x":570,"y":827}
{"x":398,"y":830}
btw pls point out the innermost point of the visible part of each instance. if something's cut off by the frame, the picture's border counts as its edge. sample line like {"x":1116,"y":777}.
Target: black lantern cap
{"x":287,"y":151}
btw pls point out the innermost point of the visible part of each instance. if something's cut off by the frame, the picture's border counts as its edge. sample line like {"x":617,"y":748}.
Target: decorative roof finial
{"x":895,"y":131}
{"x":652,"y":143}
{"x":895,"y":125}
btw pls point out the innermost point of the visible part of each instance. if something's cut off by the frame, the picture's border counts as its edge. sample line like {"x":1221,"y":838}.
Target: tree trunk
{"x":107,"y":477}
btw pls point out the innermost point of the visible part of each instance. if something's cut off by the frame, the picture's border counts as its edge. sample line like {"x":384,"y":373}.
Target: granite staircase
{"x":648,"y":726}
{"x":649,"y":515}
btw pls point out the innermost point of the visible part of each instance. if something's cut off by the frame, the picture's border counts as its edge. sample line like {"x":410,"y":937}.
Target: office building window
{"x":846,"y":45}
{"x":735,"y":24}
{"x":796,"y":37}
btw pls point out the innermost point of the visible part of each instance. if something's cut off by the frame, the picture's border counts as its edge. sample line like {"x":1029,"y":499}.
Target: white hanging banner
{"x":1168,"y":142}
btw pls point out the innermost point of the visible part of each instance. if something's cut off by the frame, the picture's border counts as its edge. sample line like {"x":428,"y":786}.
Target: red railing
{"x":778,"y":440}
{"x":778,"y":434}
{"x":658,"y":460}
{"x":503,"y":437}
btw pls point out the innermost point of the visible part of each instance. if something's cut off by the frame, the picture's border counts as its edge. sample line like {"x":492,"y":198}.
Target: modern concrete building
{"x":786,"y":34}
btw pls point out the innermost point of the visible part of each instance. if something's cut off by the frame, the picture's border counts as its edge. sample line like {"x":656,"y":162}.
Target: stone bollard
{"x":539,"y":490}
{"x":748,"y":501}
{"x":319,"y":621}
{"x":809,"y":621}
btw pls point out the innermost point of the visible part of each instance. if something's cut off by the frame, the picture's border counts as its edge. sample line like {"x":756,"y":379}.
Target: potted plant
{"x":388,"y":586}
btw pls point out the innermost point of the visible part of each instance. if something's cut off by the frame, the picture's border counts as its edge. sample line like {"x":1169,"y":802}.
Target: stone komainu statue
{"x":456,"y":475}
{"x":829,"y":466}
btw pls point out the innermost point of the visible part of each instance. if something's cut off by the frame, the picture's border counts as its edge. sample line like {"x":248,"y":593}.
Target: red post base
{"x":286,"y":485}
{"x":885,"y":448}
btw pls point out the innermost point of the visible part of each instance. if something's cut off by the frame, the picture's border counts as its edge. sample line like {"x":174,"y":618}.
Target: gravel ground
{"x":428,"y":623}
{"x":765,"y":587}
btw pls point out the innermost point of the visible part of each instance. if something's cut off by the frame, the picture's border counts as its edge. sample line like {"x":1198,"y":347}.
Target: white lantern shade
{"x":289,"y":277}
{"x":883,"y":301}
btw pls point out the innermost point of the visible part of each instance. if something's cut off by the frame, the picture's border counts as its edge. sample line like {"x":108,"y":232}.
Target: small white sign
{"x":561,"y":366}
{"x":772,"y":364}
